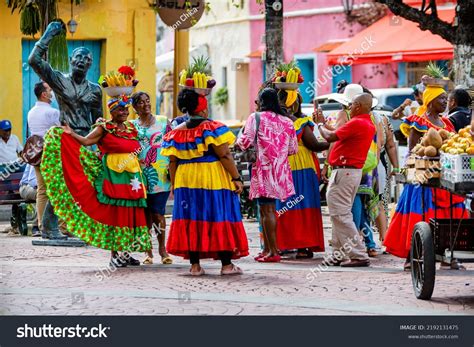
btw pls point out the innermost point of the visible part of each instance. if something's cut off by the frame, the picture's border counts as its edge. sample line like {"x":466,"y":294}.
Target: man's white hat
{"x":350,"y":92}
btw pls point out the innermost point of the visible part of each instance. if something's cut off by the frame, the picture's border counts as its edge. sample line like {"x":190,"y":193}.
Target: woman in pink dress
{"x":271,"y":173}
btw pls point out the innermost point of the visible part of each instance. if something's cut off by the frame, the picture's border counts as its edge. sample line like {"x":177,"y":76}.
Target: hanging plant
{"x":221,"y":97}
{"x":30,"y":22}
{"x":57,"y":53}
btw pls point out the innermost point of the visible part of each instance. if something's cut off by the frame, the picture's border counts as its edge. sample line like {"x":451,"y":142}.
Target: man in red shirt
{"x":347,"y":158}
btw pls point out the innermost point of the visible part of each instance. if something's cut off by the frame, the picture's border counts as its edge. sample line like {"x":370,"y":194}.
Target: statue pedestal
{"x":69,"y":242}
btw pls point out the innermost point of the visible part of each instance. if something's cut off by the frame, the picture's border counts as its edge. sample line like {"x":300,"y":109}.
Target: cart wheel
{"x":423,"y":266}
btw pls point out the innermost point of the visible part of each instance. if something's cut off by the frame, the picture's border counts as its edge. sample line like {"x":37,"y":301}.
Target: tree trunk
{"x":463,"y":65}
{"x":273,"y":35}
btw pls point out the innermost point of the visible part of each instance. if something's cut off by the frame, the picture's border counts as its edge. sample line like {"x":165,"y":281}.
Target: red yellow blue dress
{"x":409,"y":209}
{"x":206,"y":212}
{"x":101,"y":198}
{"x":300,"y":222}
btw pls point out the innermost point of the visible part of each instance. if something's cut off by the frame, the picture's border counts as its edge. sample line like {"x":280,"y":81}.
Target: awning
{"x":394,"y":39}
{"x":255,"y":54}
{"x":329,"y":46}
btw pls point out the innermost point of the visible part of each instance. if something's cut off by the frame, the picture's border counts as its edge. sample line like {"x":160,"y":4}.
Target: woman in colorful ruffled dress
{"x":409,"y":208}
{"x":151,"y":130}
{"x":207,"y":222}
{"x":300,"y":222}
{"x":101,"y":200}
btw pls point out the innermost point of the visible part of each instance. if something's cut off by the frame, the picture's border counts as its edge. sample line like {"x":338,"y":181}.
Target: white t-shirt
{"x":42,"y":117}
{"x":9,"y":150}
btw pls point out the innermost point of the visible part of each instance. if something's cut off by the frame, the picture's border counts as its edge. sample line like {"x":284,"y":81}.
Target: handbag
{"x":33,"y":150}
{"x":250,"y":154}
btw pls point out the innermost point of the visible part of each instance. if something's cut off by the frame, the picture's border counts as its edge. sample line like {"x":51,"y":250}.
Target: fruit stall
{"x":445,"y":161}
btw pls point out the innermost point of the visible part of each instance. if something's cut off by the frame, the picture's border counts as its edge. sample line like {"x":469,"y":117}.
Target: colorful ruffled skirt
{"x":409,"y":211}
{"x":299,"y":218}
{"x":206,"y":213}
{"x":100,"y":205}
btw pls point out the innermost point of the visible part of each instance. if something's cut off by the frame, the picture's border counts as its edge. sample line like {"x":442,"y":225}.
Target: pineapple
{"x":434,"y":70}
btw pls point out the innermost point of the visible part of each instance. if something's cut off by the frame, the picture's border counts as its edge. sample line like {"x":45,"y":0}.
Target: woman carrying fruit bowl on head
{"x":151,"y":130}
{"x":301,"y":225}
{"x":409,"y":208}
{"x":193,"y":77}
{"x":102,"y":200}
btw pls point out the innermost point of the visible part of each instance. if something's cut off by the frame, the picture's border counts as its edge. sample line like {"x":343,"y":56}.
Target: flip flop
{"x":272,"y":259}
{"x":199,"y":273}
{"x":304,"y":255}
{"x":167,"y":260}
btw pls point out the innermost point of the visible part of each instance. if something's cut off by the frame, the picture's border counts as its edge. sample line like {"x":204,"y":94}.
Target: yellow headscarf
{"x":430,"y":93}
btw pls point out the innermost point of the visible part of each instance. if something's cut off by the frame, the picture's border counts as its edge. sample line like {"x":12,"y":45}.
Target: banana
{"x":289,"y":76}
{"x":203,"y":80}
{"x":195,"y":79}
{"x":182,"y":79}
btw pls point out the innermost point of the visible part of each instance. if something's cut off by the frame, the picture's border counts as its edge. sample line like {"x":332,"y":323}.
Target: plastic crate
{"x":457,"y":168}
{"x":458,"y":163}
{"x":442,"y":235}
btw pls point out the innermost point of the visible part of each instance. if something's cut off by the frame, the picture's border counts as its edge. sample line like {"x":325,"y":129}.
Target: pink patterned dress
{"x":271,"y":173}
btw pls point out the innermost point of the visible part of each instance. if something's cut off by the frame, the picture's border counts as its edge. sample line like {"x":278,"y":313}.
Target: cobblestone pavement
{"x":37,"y":280}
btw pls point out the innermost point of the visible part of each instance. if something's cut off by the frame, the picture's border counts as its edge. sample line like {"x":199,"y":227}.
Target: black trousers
{"x":224,"y":256}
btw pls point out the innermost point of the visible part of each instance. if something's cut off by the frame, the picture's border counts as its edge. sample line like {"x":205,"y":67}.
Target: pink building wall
{"x":301,"y":35}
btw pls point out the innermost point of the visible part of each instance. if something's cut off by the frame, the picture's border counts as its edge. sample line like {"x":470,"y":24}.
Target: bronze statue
{"x":80,"y":101}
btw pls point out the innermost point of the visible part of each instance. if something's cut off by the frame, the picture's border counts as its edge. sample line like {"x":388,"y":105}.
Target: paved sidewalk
{"x":77,"y":281}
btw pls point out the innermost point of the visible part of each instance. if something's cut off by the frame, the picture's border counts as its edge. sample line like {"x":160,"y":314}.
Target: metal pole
{"x":181,"y":60}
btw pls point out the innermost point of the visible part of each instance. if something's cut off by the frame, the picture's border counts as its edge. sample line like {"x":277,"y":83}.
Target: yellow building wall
{"x":128,"y":31}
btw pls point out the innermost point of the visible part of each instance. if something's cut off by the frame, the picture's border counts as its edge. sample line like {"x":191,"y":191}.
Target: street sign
{"x":180,"y":14}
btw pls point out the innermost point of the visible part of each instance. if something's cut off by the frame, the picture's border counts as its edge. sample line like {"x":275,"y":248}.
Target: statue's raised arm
{"x":36,"y":61}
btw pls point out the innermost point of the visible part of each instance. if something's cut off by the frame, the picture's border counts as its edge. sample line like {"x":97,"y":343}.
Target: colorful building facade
{"x":117,"y":32}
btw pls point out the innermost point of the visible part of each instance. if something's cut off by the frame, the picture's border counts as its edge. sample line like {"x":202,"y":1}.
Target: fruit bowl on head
{"x":201,"y":91}
{"x":116,"y":91}
{"x":286,"y":85}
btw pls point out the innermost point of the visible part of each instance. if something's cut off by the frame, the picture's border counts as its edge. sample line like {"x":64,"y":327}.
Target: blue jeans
{"x":361,"y":221}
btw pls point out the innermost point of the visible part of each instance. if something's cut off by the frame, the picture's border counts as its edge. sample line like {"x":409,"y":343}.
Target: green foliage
{"x":221,"y":97}
{"x":30,"y":22}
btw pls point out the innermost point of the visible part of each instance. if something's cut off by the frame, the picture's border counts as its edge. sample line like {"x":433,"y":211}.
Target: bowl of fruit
{"x":288,"y":76}
{"x":196,"y":77}
{"x":119,"y":82}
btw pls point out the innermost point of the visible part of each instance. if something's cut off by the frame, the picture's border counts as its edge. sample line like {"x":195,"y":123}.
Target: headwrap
{"x":202,"y":104}
{"x":118,"y":101}
{"x":430,"y":93}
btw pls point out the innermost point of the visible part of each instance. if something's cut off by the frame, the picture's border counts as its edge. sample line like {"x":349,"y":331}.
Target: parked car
{"x":389,"y":99}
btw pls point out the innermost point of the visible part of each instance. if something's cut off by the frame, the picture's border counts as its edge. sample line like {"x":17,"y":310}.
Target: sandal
{"x":270,"y":259}
{"x":166,"y":260}
{"x":148,"y":260}
{"x":234,"y":271}
{"x":407,"y":267}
